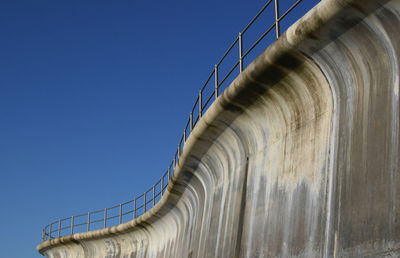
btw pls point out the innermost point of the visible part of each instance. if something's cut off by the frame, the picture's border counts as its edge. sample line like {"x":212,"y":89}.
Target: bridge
{"x":297,"y":157}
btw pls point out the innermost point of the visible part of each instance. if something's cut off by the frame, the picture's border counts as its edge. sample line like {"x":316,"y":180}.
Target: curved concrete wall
{"x":299,"y":157}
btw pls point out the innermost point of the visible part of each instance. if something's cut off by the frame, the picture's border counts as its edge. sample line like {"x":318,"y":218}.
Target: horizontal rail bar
{"x":64,"y":228}
{"x":158,"y":182}
{"x":195,"y":121}
{"x":227,"y":51}
{"x":208,"y":100}
{"x":157,"y":194}
{"x":180,"y":143}
{"x":55,"y":230}
{"x":125,"y":203}
{"x":139,"y":207}
{"x":126,"y":213}
{"x":112,"y":217}
{"x":207,"y":81}
{"x":229,"y":73}
{"x":289,"y":10}
{"x":259,"y":39}
{"x":98,"y":211}
{"x":139,"y":196}
{"x":255,"y":18}
{"x":80,"y":215}
{"x":96,"y":221}
{"x":112,"y":207}
{"x":195,"y":104}
{"x":80,"y":224}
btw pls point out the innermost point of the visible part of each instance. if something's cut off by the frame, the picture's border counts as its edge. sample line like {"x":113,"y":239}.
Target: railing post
{"x":216,"y":80}
{"x":200,"y":105}
{"x":50,"y":232}
{"x":240,"y":52}
{"x":105,"y":217}
{"x":154,"y":195}
{"x":169,"y":173}
{"x":277,"y":29}
{"x":191,"y":121}
{"x":134,"y":208}
{"x":44,"y":234}
{"x":120,"y":213}
{"x":59,"y":227}
{"x":88,"y":221}
{"x":175,"y":160}
{"x":72,"y":225}
{"x":144,"y":204}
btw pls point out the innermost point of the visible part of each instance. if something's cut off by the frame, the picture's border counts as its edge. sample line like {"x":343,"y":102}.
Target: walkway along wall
{"x":299,"y":157}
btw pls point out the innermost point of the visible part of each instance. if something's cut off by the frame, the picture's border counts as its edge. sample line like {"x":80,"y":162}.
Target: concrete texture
{"x":299,"y":157}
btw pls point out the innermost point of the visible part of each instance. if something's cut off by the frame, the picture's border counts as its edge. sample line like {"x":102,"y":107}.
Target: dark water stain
{"x":242,"y":210}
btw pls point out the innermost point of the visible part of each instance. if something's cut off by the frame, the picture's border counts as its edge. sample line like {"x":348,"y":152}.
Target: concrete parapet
{"x":299,"y":156}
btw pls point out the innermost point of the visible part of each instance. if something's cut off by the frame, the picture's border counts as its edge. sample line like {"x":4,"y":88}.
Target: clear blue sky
{"x":94,"y":96}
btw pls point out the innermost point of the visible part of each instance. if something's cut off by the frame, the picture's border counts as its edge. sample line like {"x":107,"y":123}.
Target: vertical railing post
{"x":120,"y":213}
{"x":144,"y":204}
{"x":175,"y":161}
{"x":154,"y":195}
{"x":134,"y":208}
{"x":44,"y":234}
{"x":88,"y":221}
{"x":277,"y":29}
{"x":169,"y":173}
{"x":59,"y":227}
{"x":105,"y":217}
{"x":72,"y":225}
{"x":191,"y":121}
{"x":50,"y":232}
{"x":200,"y":105}
{"x":216,"y":80}
{"x":240,"y":52}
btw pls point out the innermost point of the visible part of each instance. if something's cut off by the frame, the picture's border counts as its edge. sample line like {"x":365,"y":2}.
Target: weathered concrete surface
{"x":299,"y":157}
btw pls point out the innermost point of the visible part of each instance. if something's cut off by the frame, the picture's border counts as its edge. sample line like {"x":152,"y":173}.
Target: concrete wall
{"x":299,"y":157}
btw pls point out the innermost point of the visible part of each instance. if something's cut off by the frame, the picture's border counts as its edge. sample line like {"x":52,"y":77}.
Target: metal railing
{"x":134,"y":208}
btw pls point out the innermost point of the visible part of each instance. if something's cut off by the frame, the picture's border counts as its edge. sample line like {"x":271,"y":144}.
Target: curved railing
{"x":219,"y":78}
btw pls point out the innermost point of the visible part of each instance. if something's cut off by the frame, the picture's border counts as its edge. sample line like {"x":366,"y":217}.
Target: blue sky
{"x":94,"y":96}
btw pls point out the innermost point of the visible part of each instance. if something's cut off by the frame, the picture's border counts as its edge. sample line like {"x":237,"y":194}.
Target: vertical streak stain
{"x":242,"y":211}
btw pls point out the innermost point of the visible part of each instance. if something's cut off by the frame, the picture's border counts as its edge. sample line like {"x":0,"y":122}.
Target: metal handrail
{"x":141,"y":204}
